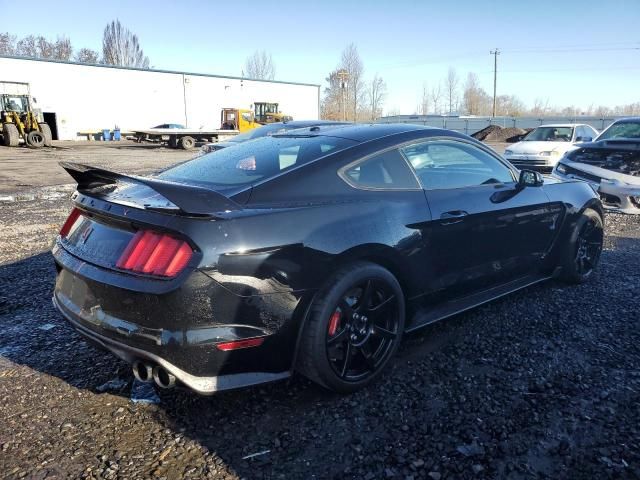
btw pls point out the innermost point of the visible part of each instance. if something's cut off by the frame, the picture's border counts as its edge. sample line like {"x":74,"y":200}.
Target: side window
{"x":387,"y":170}
{"x":442,"y":164}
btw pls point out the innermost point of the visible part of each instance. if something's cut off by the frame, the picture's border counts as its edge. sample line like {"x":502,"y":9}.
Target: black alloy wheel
{"x":588,"y":246}
{"x":584,"y":248}
{"x":354,"y":328}
{"x":362,"y":330}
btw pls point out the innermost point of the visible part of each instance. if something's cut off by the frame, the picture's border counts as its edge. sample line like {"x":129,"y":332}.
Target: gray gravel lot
{"x":542,"y":384}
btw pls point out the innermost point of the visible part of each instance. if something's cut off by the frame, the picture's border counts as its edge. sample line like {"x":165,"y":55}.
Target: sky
{"x":578,"y":53}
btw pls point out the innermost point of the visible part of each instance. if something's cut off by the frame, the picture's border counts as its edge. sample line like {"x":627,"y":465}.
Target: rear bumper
{"x":204,"y":385}
{"x":179,"y":329}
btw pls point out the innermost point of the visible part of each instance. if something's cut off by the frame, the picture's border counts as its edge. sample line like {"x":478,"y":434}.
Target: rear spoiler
{"x":191,"y":199}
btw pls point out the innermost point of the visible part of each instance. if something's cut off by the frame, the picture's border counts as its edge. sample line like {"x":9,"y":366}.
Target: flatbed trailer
{"x":182,"y":137}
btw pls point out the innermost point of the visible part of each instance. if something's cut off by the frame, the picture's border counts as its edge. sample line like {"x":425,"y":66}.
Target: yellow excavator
{"x":19,"y":120}
{"x":244,"y":120}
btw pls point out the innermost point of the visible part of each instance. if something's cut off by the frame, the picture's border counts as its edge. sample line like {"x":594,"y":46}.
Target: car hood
{"x":532,"y":148}
{"x":611,"y":159}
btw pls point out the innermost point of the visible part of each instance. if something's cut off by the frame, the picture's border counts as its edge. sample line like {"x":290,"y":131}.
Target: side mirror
{"x":529,"y":178}
{"x":584,"y":139}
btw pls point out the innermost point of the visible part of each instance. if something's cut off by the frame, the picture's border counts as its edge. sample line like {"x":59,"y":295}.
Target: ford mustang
{"x":313,"y":251}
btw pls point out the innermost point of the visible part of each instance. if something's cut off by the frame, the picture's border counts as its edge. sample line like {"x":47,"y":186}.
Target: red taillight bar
{"x":238,"y":344}
{"x":71,"y":220}
{"x":155,"y":254}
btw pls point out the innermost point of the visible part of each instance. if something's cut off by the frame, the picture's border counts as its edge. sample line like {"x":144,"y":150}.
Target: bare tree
{"x":540,"y":107}
{"x":7,"y":44}
{"x":331,"y":106}
{"x":423,"y":107}
{"x":44,"y":48}
{"x":27,"y":47}
{"x":603,"y":111}
{"x":86,"y":55}
{"x":355,"y":93}
{"x":121,"y":47}
{"x":451,"y":88}
{"x":475,"y":100}
{"x":435,"y":94}
{"x":509,"y":105}
{"x":260,"y":66}
{"x":62,"y":49}
{"x":377,"y":93}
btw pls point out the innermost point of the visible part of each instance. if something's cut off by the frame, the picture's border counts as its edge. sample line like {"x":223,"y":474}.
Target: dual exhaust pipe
{"x":145,"y":372}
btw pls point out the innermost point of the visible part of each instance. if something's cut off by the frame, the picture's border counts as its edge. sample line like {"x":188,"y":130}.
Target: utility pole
{"x":495,"y":54}
{"x":343,"y":75}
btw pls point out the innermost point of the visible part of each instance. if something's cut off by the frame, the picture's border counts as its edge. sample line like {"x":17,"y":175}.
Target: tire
{"x":582,"y":253}
{"x":35,"y":139}
{"x":187,"y":143}
{"x":345,"y":345}
{"x":10,"y":135}
{"x":46,"y":131}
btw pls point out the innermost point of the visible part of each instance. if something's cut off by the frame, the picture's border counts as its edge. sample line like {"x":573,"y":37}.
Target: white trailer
{"x":184,"y":138}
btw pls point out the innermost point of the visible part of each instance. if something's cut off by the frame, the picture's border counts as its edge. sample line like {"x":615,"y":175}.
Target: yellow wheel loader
{"x":18,"y":119}
{"x":245,"y":120}
{"x":266,"y":112}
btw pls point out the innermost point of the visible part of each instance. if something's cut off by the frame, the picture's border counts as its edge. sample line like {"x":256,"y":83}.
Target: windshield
{"x":550,"y":134}
{"x":254,"y":161}
{"x":15,"y":104}
{"x":628,"y":129}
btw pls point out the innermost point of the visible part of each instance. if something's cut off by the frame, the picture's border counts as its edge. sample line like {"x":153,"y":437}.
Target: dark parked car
{"x":611,"y":163}
{"x":311,"y":251}
{"x":264,"y":131}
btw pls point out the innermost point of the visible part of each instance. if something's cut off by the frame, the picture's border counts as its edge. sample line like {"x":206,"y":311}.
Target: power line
{"x":604,"y":47}
{"x":586,"y":69}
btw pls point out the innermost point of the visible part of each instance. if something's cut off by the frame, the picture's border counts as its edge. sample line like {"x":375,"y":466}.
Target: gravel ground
{"x":542,"y":384}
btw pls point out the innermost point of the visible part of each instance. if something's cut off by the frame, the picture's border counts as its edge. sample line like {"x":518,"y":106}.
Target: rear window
{"x":251,"y":162}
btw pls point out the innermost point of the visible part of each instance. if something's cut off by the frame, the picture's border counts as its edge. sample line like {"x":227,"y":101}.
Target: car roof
{"x":627,"y":119}
{"x":365,"y":132}
{"x":310,"y":123}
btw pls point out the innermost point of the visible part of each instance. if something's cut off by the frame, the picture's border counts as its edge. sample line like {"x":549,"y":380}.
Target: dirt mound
{"x":485,"y":132}
{"x":496,"y":133}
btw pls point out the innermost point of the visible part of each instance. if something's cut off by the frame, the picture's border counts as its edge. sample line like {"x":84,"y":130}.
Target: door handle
{"x":453,"y":216}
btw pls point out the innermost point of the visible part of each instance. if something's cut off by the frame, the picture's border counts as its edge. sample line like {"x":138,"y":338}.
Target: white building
{"x":76,"y":98}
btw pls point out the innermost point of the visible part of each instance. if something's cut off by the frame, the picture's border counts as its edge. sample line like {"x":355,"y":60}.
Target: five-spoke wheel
{"x":583,"y":251}
{"x":354,"y":328}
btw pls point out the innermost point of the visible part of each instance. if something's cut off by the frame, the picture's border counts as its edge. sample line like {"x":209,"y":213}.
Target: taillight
{"x":155,"y":254}
{"x":70,"y":222}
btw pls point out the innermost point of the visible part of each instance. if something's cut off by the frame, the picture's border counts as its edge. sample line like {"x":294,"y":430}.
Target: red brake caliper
{"x":334,"y":321}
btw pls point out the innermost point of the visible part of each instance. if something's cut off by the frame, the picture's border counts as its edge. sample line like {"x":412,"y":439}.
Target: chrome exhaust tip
{"x":163,"y":378}
{"x":142,"y":371}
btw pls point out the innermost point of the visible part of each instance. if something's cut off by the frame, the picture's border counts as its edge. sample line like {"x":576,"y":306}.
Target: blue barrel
{"x":116,"y":134}
{"x":106,"y":134}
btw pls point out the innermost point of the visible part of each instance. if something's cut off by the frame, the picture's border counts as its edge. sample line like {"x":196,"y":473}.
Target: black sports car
{"x":311,"y":251}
